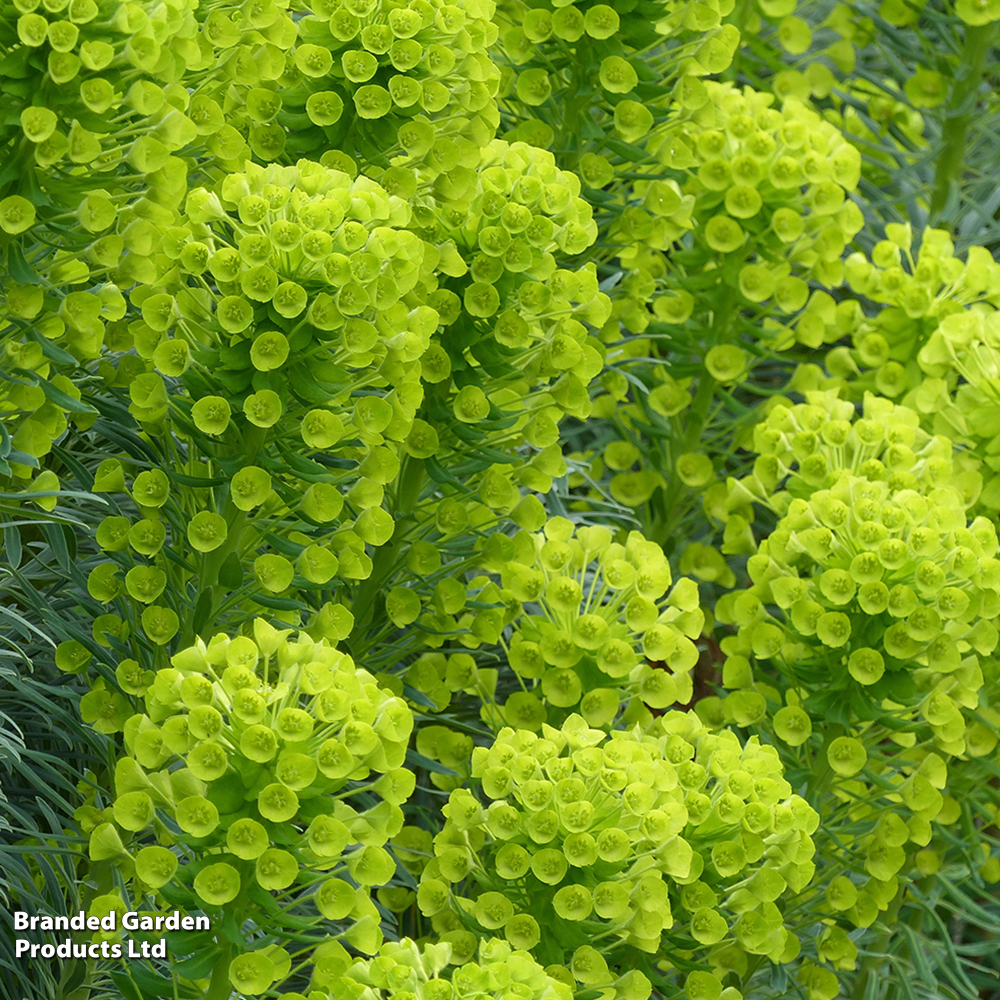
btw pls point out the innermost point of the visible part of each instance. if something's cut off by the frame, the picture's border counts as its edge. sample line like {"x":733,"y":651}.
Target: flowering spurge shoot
{"x":622,"y":836}
{"x":602,"y":69}
{"x":933,"y":345}
{"x":930,"y":283}
{"x":887,"y":593}
{"x":74,"y":73}
{"x":301,"y":256}
{"x":403,"y":970}
{"x":771,"y":206}
{"x":346,"y":78}
{"x":281,"y":310}
{"x":806,"y":447}
{"x":601,"y":623}
{"x":920,"y":293}
{"x":248,"y":756}
{"x":499,"y":217}
{"x":358,"y":73}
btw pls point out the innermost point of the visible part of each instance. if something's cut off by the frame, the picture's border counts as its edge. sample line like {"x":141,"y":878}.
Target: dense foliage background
{"x":500,"y":500}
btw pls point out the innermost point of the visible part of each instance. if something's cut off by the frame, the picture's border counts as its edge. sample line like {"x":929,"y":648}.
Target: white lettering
{"x":147,"y":949}
{"x":20,"y":921}
{"x":176,"y":921}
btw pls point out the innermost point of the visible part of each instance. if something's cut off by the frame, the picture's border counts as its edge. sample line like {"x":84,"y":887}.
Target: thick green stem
{"x":961,"y":107}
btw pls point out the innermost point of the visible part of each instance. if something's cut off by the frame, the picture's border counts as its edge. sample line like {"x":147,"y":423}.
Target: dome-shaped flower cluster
{"x":772,"y":184}
{"x":404,"y":970}
{"x":499,"y":216}
{"x":279,"y":285}
{"x":345,"y":77}
{"x":597,"y":615}
{"x":932,"y":344}
{"x":303,"y":246}
{"x":917,"y":289}
{"x":623,"y":836}
{"x":967,"y":407}
{"x":809,"y":446}
{"x":756,"y":204}
{"x":496,"y":218}
{"x":252,"y":748}
{"x":391,"y":60}
{"x":95,"y":59}
{"x":880,"y":578}
{"x":555,"y":54}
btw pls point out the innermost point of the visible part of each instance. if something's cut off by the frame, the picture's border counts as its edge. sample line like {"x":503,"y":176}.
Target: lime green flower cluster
{"x":958,"y":394}
{"x":391,"y":61}
{"x":71,"y":69}
{"x":932,"y":343}
{"x":597,"y":70}
{"x":304,"y":249}
{"x":345,"y":77}
{"x":816,"y":442}
{"x":916,"y":291}
{"x":589,"y":604}
{"x":293,"y":276}
{"x":404,"y":970}
{"x":881,"y":116}
{"x":520,"y":207}
{"x":882,"y":581}
{"x":769,"y":184}
{"x":624,"y":837}
{"x":515,"y":340}
{"x":247,"y":754}
{"x":499,"y":217}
